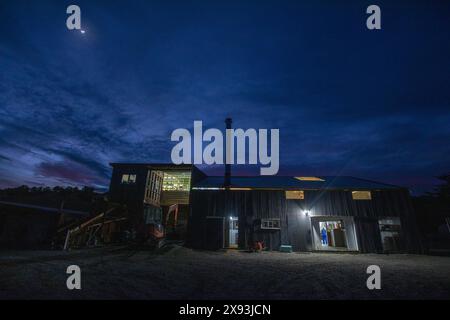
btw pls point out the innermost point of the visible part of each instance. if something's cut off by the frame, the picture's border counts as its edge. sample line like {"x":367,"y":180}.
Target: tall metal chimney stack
{"x":227,"y":180}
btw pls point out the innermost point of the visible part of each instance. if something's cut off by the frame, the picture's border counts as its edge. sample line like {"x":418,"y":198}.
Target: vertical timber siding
{"x":295,"y":229}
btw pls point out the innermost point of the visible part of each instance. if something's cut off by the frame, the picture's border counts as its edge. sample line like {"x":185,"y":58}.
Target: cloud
{"x":344,"y":100}
{"x":67,"y":173}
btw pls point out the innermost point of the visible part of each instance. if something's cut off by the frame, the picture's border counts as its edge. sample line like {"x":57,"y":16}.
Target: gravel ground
{"x":181,"y":273}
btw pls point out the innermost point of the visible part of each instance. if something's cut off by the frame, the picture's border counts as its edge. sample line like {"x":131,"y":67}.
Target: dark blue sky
{"x":373,"y":104}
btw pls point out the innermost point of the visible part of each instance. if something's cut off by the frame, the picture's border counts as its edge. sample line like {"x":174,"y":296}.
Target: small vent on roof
{"x":309,"y":179}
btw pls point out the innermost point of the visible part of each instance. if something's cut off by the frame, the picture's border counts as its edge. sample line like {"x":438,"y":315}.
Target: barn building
{"x":322,"y":213}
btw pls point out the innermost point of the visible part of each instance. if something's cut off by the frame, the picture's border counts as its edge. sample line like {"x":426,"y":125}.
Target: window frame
{"x":270,"y":224}
{"x":128,"y":178}
{"x":288,"y":194}
{"x":361,"y":193}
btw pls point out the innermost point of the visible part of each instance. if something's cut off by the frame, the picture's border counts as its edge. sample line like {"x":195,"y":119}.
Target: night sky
{"x":347,"y":101}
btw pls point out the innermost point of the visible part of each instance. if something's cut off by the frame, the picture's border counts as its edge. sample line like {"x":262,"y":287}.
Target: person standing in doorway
{"x":324,"y":236}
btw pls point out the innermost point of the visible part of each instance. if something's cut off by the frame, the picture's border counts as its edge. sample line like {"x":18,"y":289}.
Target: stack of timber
{"x":105,"y":228}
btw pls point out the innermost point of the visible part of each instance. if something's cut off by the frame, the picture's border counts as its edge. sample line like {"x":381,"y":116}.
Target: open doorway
{"x":334,"y":233}
{"x":390,"y":231}
{"x":233,"y":232}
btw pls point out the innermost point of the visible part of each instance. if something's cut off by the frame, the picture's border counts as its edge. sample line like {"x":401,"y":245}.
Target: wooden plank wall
{"x":254,"y":204}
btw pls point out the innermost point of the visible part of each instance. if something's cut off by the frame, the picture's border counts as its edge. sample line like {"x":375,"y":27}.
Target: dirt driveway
{"x":181,"y":273}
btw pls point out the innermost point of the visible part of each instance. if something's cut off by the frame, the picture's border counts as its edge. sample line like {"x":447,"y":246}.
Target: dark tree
{"x":434,"y":207}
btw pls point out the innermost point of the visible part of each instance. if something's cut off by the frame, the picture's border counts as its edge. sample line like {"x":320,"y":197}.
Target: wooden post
{"x":66,"y":243}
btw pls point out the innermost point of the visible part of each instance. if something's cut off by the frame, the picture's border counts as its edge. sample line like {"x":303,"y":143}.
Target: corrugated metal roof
{"x":273,"y":182}
{"x":280,"y":182}
{"x":153,"y":165}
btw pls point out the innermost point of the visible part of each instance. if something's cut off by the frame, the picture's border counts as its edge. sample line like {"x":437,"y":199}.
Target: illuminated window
{"x":309,"y":179}
{"x":128,"y":178}
{"x":295,"y":195}
{"x":177,"y":181}
{"x":361,"y":195}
